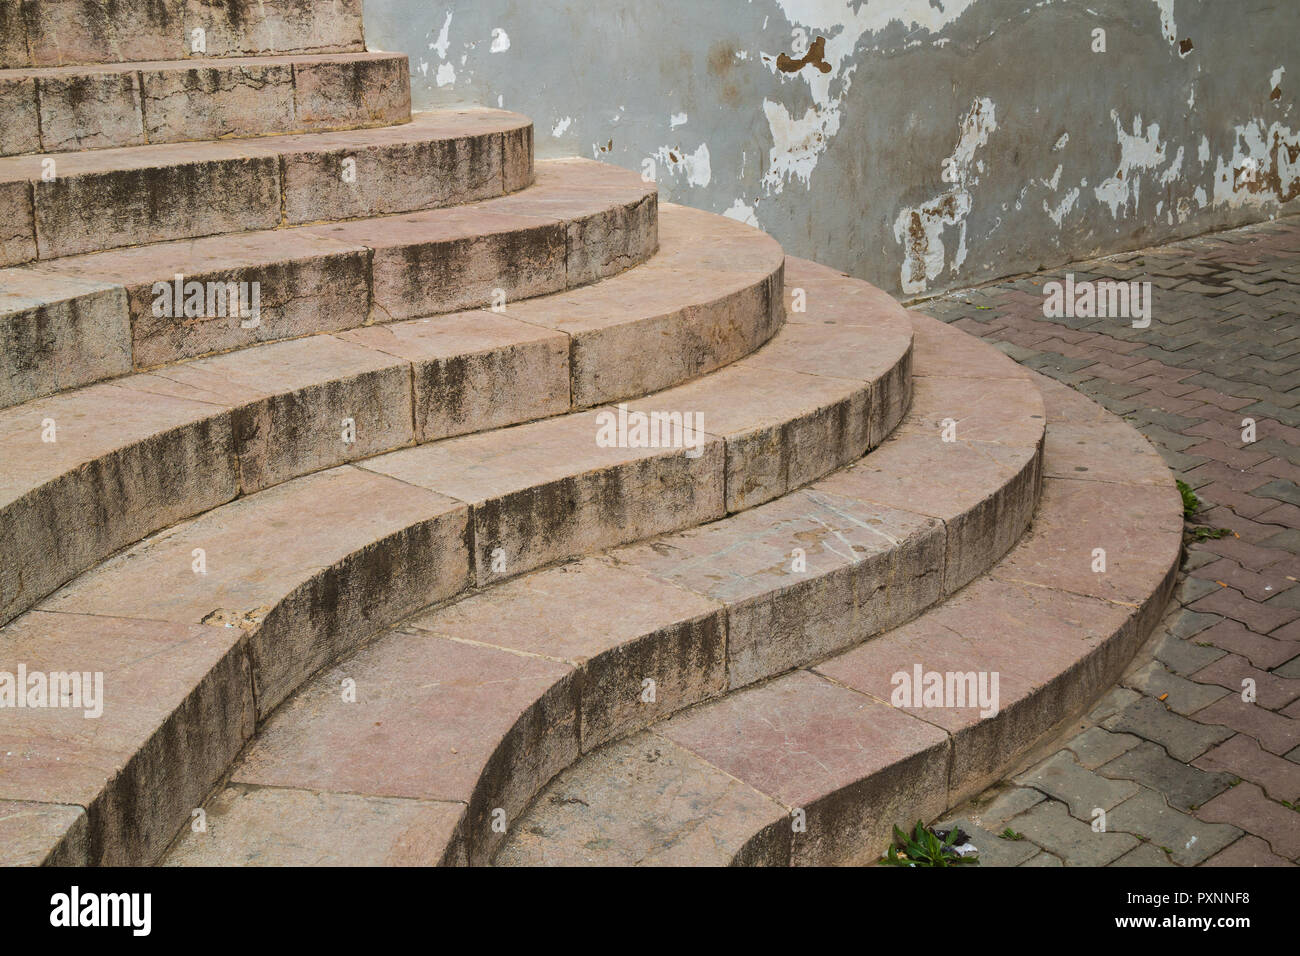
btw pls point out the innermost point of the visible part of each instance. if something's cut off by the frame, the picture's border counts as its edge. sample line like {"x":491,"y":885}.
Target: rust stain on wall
{"x":816,"y":56}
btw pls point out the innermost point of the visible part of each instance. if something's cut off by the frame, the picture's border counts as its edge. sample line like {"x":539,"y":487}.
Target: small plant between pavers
{"x":1010,"y":834}
{"x":925,"y":848}
{"x":1191,"y":505}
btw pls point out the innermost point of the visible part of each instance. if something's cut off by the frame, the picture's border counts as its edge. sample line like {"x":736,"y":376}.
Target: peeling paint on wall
{"x":920,"y":229}
{"x":821,"y":120}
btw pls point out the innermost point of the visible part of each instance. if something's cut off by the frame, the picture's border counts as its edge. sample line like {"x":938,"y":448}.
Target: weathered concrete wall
{"x":923,"y":144}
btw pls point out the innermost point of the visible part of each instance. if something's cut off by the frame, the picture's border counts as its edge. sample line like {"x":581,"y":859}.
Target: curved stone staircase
{"x":365,"y":578}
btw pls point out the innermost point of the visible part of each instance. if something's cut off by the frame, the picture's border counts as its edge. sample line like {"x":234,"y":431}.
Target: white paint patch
{"x":443,"y":43}
{"x":1055,"y":180}
{"x":1167,"y":25}
{"x":1062,"y":208}
{"x":1061,"y":143}
{"x":920,"y":229}
{"x":796,"y":143}
{"x":1275,"y":80}
{"x":446,"y":75}
{"x":742,"y":213}
{"x":1138,"y":151}
{"x":1260,"y":171}
{"x":676,"y":120}
{"x":695,"y":166}
{"x":562,"y":127}
{"x":1203,"y":151}
{"x":500,"y":41}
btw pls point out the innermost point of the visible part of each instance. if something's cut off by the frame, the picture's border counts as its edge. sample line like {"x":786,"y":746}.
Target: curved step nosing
{"x":107,"y":326}
{"x":499,"y":785}
{"x":853,"y":823}
{"x":238,"y":437}
{"x":126,"y":197}
{"x":272,"y":689}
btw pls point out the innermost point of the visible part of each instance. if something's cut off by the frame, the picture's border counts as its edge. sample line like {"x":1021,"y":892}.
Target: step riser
{"x":853,"y":826}
{"x":254,"y":189}
{"x":65,"y":110}
{"x":337,"y":610}
{"x":59,"y":32}
{"x":75,"y":337}
{"x":424,"y":559}
{"x":761,"y":638}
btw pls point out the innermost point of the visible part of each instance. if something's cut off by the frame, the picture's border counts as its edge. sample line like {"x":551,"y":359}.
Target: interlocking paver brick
{"x":1263,"y":652}
{"x":1224,"y":347}
{"x":1246,"y":806}
{"x":1248,"y":851}
{"x":1233,"y":672}
{"x":1051,"y":827}
{"x":1243,"y":756}
{"x":994,"y":850}
{"x":1187,"y":839}
{"x":1184,"y":739}
{"x":1060,"y":776}
{"x":1183,"y":786}
{"x":1095,"y":746}
{"x":1180,"y":695}
{"x":1275,"y":733}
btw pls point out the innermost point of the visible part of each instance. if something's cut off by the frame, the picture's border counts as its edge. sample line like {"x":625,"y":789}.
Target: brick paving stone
{"x":1183,"y":786}
{"x":1246,"y":806}
{"x":1051,"y":827}
{"x":1231,"y":671}
{"x":1179,"y":694}
{"x":1263,"y":652}
{"x":1184,"y":739}
{"x":1225,"y":346}
{"x":1183,"y":656}
{"x":1248,"y":851}
{"x":994,"y":850}
{"x":992,"y":810}
{"x":1258,"y":617}
{"x":1242,"y":755}
{"x":1095,"y":746}
{"x":1186,"y":839}
{"x":1144,"y":855}
{"x":1274,"y":732}
{"x":1060,"y":776}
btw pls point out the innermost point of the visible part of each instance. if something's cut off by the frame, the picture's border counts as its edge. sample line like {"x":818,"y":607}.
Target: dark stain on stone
{"x":1276,"y":94}
{"x":1185,"y":46}
{"x":816,"y":56}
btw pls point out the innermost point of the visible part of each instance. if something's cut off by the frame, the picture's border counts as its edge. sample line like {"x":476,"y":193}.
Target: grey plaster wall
{"x":920,"y":144}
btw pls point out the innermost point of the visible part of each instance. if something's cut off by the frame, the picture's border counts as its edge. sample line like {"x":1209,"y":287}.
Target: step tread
{"x":601,"y":623}
{"x":247,"y":419}
{"x":238,"y":588}
{"x":313,"y":279}
{"x":814,"y":741}
{"x":137,"y":195}
{"x":423,"y":127}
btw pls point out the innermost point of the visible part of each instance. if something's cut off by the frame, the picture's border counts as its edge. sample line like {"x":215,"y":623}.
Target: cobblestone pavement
{"x":1186,"y":771}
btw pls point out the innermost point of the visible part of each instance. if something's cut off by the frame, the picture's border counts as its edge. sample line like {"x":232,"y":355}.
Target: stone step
{"x":386,"y":536}
{"x":61,"y":32}
{"x":109,"y":198}
{"x":464,"y":712}
{"x":83,"y":319}
{"x":245,"y":420}
{"x":69,"y":108}
{"x":817,"y":766}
